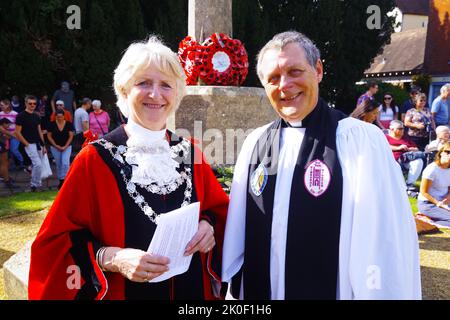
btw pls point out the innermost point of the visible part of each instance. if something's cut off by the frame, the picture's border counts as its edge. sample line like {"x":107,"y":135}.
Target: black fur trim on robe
{"x":312,"y":248}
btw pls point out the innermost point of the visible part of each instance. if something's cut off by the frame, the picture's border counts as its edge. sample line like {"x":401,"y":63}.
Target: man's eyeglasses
{"x":32,"y":103}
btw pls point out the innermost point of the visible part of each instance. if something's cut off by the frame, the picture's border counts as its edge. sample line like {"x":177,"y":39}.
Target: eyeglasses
{"x":31,"y":103}
{"x":447,"y":152}
{"x":387,"y":98}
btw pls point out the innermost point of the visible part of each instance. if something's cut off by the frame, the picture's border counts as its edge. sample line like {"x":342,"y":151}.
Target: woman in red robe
{"x":93,"y":243}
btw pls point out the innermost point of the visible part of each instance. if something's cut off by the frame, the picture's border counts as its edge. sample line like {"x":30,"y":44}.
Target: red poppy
{"x":89,"y":137}
{"x":220,"y":60}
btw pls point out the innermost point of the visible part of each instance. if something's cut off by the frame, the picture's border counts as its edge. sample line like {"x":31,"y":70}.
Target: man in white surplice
{"x":378,"y":256}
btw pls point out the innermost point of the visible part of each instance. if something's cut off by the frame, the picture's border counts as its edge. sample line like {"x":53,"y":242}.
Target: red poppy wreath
{"x":219,"y":60}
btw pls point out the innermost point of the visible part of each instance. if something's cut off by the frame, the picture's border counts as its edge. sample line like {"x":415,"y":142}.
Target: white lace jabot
{"x":150,"y":155}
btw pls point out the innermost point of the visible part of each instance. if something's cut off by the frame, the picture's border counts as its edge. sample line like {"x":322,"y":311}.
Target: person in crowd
{"x":67,"y":95}
{"x":388,"y":111}
{"x":119,"y":119}
{"x":370,"y":93}
{"x":16,"y":105}
{"x":60,"y":136}
{"x":409,"y":104}
{"x":419,"y":122}
{"x":434,"y":194}
{"x":81,"y":123}
{"x":405,"y":153}
{"x":29,"y":133}
{"x":117,"y":190}
{"x":60,"y":106}
{"x":8,"y":113}
{"x":440,"y":107}
{"x":98,"y":119}
{"x":45,"y":111}
{"x":442,"y":136}
{"x":5,"y":137}
{"x":367,"y":111}
{"x":309,"y":215}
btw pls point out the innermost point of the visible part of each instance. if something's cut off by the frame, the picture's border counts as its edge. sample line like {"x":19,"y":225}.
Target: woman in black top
{"x":60,"y":135}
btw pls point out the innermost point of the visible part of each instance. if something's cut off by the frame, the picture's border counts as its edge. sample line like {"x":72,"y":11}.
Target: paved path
{"x":22,"y":180}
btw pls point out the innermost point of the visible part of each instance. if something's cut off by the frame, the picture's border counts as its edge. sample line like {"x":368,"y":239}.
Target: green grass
{"x":26,"y":202}
{"x":413,"y":203}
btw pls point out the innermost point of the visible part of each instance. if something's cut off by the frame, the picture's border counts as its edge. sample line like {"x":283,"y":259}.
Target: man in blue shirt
{"x":439,"y":108}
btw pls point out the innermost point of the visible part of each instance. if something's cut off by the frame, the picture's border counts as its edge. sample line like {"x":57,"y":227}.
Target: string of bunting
{"x":219,"y":60}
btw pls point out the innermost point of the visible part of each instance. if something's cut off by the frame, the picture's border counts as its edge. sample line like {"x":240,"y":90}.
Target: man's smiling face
{"x":291,"y":83}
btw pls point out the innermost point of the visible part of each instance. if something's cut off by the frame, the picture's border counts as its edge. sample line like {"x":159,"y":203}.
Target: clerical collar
{"x":292,"y":124}
{"x":136,"y":130}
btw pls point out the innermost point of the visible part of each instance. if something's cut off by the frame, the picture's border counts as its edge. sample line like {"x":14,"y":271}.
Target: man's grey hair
{"x":445,"y":88}
{"x":280,"y":40}
{"x":394,"y":124}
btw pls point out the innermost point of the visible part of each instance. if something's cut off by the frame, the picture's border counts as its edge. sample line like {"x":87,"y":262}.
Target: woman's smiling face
{"x":152,"y":98}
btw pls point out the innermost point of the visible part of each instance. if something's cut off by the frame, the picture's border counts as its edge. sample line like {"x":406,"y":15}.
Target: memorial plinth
{"x":206,"y":111}
{"x":15,"y":274}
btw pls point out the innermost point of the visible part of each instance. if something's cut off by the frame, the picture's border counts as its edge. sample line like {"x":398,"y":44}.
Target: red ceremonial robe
{"x":92,"y":210}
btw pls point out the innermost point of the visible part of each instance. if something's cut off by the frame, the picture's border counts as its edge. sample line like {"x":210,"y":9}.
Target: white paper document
{"x":174,"y":231}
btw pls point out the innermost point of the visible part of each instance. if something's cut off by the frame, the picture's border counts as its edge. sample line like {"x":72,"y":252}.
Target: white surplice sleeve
{"x":234,"y":240}
{"x":378,"y":250}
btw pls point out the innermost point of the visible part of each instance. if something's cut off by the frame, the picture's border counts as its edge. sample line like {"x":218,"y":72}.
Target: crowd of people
{"x":417,"y":136}
{"x":28,"y":131}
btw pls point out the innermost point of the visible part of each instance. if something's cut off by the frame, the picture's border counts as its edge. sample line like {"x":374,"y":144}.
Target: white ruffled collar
{"x":150,"y":156}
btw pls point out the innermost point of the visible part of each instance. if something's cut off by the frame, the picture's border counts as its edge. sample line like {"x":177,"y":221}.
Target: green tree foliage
{"x":167,"y":19}
{"x":339,"y":29}
{"x":38,"y":51}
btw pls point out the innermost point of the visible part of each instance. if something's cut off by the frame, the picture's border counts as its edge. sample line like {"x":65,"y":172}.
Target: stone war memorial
{"x":224,"y":113}
{"x":218,"y":117}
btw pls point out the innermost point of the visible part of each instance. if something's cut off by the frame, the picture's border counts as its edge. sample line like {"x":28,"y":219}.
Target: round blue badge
{"x":258,"y":180}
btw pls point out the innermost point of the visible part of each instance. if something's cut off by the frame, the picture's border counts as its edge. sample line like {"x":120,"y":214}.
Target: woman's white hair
{"x":138,"y":57}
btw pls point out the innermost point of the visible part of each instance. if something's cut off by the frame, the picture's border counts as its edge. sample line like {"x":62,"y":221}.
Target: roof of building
{"x":419,"y":7}
{"x":406,"y":52}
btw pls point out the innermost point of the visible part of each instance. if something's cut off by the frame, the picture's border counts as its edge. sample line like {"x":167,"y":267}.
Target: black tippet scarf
{"x":312,"y":248}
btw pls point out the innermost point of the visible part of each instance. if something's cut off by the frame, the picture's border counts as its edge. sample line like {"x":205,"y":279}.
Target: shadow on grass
{"x":24,"y":218}
{"x":435,"y":283}
{"x":5,"y":255}
{"x":439,"y":241}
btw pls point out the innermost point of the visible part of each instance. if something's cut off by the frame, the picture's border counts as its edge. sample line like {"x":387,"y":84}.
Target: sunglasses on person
{"x":32,"y":103}
{"x":387,"y":98}
{"x":447,"y":152}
